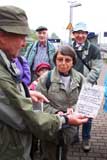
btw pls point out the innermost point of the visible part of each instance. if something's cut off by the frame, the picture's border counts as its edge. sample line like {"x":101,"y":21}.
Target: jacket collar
{"x":73,"y":73}
{"x":12,"y":68}
{"x":84,"y":47}
{"x":42,"y":45}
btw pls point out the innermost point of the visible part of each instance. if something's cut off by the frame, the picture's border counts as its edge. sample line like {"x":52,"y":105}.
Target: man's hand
{"x":76,"y":119}
{"x":38,"y":97}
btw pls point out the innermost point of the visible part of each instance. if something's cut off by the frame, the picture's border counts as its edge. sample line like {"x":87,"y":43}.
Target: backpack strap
{"x":83,"y":61}
{"x":48,"y":80}
{"x":48,"y":53}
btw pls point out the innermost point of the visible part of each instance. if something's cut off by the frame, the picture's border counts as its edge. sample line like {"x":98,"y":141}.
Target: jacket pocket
{"x":10,"y":145}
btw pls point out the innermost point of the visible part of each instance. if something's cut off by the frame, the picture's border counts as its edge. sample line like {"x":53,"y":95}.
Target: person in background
{"x":62,"y":92}
{"x":18,"y":121}
{"x":40,"y":70}
{"x":40,"y":51}
{"x":105,"y":93}
{"x":89,"y":63}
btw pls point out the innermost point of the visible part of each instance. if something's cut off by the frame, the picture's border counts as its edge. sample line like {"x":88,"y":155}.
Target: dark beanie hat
{"x":41,"y":28}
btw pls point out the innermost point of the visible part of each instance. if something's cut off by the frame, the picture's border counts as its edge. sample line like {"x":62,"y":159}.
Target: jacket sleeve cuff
{"x":63,"y":120}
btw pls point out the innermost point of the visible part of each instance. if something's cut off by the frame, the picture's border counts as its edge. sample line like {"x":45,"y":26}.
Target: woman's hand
{"x":60,"y":113}
{"x":69,"y":110}
{"x":76,"y":119}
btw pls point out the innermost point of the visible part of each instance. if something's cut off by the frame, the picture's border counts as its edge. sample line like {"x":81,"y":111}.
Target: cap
{"x":80,"y":27}
{"x":14,"y":20}
{"x":41,"y":28}
{"x":42,"y":66}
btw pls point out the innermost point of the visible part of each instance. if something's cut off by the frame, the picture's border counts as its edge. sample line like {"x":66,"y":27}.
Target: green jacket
{"x":60,"y":98}
{"x":17,"y":120}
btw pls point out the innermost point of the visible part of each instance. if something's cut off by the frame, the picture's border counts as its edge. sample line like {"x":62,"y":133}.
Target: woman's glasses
{"x":66,"y":60}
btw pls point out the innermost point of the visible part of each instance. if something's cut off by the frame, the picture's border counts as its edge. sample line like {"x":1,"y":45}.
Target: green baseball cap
{"x":14,"y":20}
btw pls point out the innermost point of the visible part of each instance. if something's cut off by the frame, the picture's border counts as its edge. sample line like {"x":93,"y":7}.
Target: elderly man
{"x":89,"y":63}
{"x":17,"y":120}
{"x":41,"y":51}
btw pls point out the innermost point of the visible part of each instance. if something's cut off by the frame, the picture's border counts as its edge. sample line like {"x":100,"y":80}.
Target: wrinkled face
{"x":64,"y":63}
{"x":42,"y":36}
{"x":11,"y":44}
{"x":80,"y":36}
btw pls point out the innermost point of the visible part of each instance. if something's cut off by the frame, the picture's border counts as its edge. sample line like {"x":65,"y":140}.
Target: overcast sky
{"x":55,"y":14}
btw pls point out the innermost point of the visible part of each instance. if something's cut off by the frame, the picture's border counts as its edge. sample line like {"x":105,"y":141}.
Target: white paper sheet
{"x":90,"y":100}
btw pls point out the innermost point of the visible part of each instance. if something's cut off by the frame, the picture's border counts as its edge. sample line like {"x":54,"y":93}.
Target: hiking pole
{"x":60,"y":146}
{"x":41,"y":106}
{"x":60,"y":152}
{"x":40,"y":145}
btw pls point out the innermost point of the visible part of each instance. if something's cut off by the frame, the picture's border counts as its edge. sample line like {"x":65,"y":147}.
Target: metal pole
{"x":72,"y":4}
{"x":70,"y":21}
